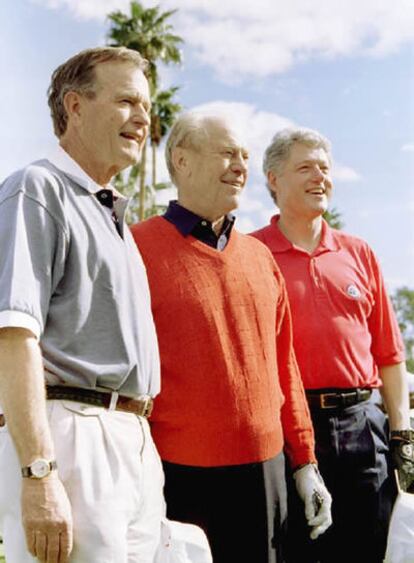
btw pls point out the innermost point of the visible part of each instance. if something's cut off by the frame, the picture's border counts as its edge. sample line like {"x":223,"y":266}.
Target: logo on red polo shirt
{"x":353,"y":291}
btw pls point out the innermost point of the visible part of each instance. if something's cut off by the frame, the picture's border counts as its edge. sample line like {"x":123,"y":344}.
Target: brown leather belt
{"x":142,"y":406}
{"x":336,"y":399}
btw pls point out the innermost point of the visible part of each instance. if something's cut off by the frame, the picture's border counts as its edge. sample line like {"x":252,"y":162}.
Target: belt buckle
{"x":323,"y":399}
{"x":147,"y":406}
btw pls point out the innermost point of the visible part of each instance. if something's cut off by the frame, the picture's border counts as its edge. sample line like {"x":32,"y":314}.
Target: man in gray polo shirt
{"x":80,"y":478}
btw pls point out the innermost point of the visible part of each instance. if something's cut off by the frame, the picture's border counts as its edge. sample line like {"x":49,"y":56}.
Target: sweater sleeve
{"x":296,"y":421}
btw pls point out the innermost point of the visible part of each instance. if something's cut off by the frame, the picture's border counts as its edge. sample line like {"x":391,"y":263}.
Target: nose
{"x":318,"y":174}
{"x":141,"y":116}
{"x":239,"y":165}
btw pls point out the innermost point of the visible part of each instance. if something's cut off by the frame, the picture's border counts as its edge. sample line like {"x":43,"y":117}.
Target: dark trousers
{"x":241,"y":508}
{"x":352,"y":452}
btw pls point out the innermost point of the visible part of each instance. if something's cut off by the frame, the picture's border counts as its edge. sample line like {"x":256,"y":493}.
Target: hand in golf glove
{"x":317,"y":500}
{"x":402,"y":454}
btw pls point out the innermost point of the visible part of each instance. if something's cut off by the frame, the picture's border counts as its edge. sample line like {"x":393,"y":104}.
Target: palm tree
{"x":146,"y":31}
{"x":163,"y":113}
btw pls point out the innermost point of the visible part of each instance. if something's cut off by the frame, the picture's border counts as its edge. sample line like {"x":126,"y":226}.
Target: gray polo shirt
{"x":67,"y":275}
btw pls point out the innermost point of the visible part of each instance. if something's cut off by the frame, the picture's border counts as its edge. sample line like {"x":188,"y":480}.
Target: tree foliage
{"x":403,"y":301}
{"x":148,"y":32}
{"x":333,"y":218}
{"x":126,"y":181}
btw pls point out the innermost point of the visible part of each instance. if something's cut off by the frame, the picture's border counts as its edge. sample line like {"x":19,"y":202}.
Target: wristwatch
{"x":39,"y":468}
{"x":403,"y":434}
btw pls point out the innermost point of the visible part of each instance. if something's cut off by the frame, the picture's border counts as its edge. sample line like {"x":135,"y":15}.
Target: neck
{"x":304,"y":233}
{"x":217,"y":222}
{"x":218,"y":225}
{"x":95,"y":170}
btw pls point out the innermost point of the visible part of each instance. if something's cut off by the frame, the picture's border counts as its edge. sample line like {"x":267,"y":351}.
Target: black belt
{"x":336,"y":399}
{"x":141,"y":406}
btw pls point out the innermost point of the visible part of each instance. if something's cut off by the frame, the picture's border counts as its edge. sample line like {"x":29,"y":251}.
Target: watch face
{"x":40,"y":468}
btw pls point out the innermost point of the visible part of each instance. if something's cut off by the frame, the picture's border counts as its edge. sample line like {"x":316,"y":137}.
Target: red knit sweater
{"x":227,"y":362}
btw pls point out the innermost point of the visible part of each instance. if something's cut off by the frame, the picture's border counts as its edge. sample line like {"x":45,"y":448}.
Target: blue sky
{"x":344,"y":68}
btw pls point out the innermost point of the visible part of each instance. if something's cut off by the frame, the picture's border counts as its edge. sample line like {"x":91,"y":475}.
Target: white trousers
{"x":113,"y":476}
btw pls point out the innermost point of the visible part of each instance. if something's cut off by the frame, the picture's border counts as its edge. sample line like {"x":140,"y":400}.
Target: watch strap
{"x":407,"y":435}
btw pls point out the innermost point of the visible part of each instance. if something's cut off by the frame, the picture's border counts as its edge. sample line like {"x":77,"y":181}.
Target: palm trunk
{"x":142,"y":183}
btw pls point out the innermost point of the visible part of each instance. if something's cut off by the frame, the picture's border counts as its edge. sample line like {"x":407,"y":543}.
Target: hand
{"x":317,"y":500}
{"x":47,"y":519}
{"x":402,"y":455}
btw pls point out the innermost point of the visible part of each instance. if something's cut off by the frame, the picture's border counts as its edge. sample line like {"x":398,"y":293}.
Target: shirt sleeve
{"x":387,"y":344}
{"x":16,"y":319}
{"x":296,"y":420}
{"x":32,"y":248}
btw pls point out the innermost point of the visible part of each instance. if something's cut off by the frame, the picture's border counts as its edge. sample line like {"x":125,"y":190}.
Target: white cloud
{"x":255,"y":209}
{"x":162,"y":170}
{"x":345,"y":173}
{"x":394,"y":210}
{"x":256,"y":127}
{"x":245,"y":224}
{"x":273,"y":39}
{"x":164,"y":196}
{"x":86,"y":9}
{"x":408,"y":147}
{"x":256,"y":39}
{"x":394,"y":283}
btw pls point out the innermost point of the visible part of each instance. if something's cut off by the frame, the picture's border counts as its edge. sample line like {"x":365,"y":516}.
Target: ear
{"x":179,"y":159}
{"x":272,"y":181}
{"x":72,"y":103}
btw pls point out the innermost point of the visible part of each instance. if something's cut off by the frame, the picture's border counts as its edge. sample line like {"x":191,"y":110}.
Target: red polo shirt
{"x":343,"y":322}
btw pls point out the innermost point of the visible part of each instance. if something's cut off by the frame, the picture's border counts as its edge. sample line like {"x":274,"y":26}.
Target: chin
{"x":321,"y":208}
{"x":313,"y":213}
{"x":132,"y":158}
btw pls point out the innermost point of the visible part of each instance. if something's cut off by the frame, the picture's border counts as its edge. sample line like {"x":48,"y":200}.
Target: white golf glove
{"x":317,"y":500}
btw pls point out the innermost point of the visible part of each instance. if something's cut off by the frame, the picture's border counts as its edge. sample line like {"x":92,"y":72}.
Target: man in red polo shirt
{"x":347,"y":343}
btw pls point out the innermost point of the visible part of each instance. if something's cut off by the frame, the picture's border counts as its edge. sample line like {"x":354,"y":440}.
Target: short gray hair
{"x":279,"y":149}
{"x":189,"y":131}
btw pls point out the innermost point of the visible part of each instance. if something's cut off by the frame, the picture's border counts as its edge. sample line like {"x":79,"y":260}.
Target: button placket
{"x":313,"y":272}
{"x":107,"y":198}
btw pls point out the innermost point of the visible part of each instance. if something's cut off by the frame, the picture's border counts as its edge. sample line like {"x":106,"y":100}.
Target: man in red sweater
{"x":347,"y":343}
{"x":232,"y":396}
